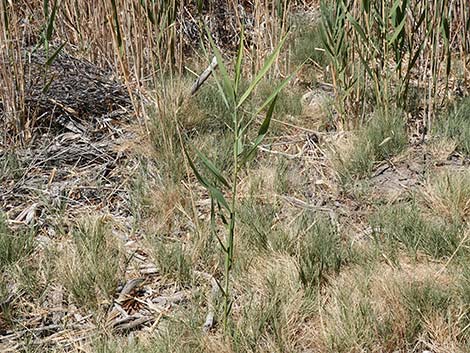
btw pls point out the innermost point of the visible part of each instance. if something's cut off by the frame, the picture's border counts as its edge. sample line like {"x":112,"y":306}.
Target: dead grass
{"x":447,"y":195}
{"x":441,"y":149}
{"x":385,"y":309}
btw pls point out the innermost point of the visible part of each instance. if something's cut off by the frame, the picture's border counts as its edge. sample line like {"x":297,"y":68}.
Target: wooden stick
{"x":204,"y":76}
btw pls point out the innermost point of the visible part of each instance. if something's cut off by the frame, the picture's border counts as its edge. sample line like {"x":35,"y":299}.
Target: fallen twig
{"x":204,"y":76}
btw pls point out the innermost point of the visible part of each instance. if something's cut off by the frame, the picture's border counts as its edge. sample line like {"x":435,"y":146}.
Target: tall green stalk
{"x":231,"y":234}
{"x":229,"y":89}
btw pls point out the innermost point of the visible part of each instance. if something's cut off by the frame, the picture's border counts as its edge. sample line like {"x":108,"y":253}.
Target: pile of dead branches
{"x":62,"y":93}
{"x":71,"y":93}
{"x":77,"y":114}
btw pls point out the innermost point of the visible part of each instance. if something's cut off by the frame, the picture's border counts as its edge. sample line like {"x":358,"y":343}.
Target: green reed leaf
{"x":267,"y":64}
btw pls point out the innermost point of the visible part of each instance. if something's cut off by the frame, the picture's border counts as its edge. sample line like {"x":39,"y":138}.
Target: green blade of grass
{"x":394,"y":8}
{"x":6,"y":20}
{"x":116,"y":26}
{"x":397,"y":32}
{"x":217,"y":194}
{"x":214,"y":227}
{"x":265,"y":104}
{"x":261,"y":132}
{"x":212,"y":168}
{"x":445,"y":30}
{"x":55,"y":54}
{"x":148,"y":10}
{"x":238,"y":65}
{"x":277,"y":90}
{"x":227,"y":85}
{"x":50,"y":22}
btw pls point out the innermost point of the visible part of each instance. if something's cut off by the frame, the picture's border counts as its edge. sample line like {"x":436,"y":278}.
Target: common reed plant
{"x":218,"y":185}
{"x":12,"y":102}
{"x":383,"y":48}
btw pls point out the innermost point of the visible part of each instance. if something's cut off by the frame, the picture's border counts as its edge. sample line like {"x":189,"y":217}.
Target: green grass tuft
{"x":405,"y":225}
{"x":308,"y":43}
{"x":171,"y":259}
{"x":456,"y":125}
{"x":321,"y":254}
{"x":424,"y":300}
{"x":92,"y":267}
{"x":288,"y":100}
{"x":11,"y":166}
{"x":14,"y":246}
{"x":382,"y":138}
{"x":256,"y":224}
{"x":215,"y":114}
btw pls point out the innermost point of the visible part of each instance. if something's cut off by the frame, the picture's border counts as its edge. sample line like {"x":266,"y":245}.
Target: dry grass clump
{"x":447,"y":195}
{"x":376,"y":308}
{"x":91,"y":265}
{"x":272,"y":306}
{"x":442,"y":148}
{"x":385,"y":309}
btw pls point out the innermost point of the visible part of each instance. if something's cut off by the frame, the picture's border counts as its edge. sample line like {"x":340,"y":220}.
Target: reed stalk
{"x":225,"y":211}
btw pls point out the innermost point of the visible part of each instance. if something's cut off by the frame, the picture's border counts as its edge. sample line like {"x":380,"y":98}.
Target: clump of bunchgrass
{"x":215,"y":114}
{"x":160,"y":207}
{"x":442,"y":148}
{"x":256,"y":223}
{"x":456,"y":125}
{"x":14,"y":246}
{"x":25,"y":269}
{"x":390,"y":309}
{"x":274,"y":307}
{"x":308,"y":41}
{"x":447,"y":195}
{"x":288,"y":101}
{"x":321,"y":253}
{"x":405,"y":226}
{"x":424,"y":299}
{"x":11,"y":166}
{"x":383,"y":137}
{"x":91,"y":266}
{"x":171,"y":258}
{"x":165,"y":121}
{"x":282,"y":182}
